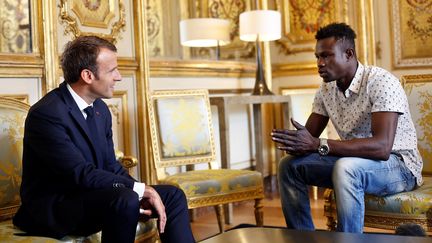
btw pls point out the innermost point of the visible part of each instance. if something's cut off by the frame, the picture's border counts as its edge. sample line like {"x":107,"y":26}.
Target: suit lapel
{"x":78,"y":117}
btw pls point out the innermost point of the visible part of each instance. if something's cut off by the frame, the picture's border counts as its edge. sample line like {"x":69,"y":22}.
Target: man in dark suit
{"x":72,"y":183}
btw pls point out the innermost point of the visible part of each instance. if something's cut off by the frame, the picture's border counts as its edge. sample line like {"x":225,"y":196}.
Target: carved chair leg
{"x":331,"y":223}
{"x":220,"y":217}
{"x":259,"y":214}
{"x":330,"y":210}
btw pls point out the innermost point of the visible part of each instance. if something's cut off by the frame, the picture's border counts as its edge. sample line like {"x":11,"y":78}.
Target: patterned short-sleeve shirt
{"x":373,"y":89}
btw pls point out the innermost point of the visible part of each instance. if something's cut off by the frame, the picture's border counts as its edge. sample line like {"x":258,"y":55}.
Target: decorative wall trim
{"x":105,"y":9}
{"x":229,"y":91}
{"x":21,"y":97}
{"x":49,"y":45}
{"x":366,"y":49}
{"x":21,"y":65}
{"x":118,"y":106}
{"x":292,"y":69}
{"x":202,"y":68}
{"x":126,"y":63}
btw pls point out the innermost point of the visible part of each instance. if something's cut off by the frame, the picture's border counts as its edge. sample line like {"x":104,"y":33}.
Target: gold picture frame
{"x":301,"y":19}
{"x":411,"y":33}
{"x":78,"y":15}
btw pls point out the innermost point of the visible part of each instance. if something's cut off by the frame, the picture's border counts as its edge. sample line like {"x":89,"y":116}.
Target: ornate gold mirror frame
{"x":97,"y":13}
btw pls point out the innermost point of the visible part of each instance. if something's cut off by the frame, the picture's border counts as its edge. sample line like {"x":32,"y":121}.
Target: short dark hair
{"x":81,"y":54}
{"x":340,"y":31}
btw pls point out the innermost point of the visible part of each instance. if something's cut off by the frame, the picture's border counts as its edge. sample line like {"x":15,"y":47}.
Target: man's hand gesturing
{"x":295,"y":142}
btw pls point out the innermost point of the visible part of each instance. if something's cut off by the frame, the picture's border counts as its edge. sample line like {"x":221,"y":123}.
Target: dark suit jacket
{"x":60,"y":161}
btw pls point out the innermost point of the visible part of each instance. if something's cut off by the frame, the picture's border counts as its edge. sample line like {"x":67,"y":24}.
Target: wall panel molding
{"x":202,"y":68}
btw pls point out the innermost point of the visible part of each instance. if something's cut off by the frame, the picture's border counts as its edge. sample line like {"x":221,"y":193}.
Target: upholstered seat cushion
{"x":416,"y":202}
{"x":212,"y":182}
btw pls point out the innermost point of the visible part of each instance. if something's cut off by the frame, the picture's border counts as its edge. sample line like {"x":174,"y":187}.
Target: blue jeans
{"x":350,"y":177}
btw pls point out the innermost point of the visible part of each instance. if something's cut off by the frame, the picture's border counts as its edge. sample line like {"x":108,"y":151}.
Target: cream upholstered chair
{"x":182,"y":134}
{"x":12,"y":116}
{"x":407,"y":207}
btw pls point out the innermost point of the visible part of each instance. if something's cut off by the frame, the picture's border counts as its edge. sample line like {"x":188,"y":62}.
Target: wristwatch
{"x":323,"y":148}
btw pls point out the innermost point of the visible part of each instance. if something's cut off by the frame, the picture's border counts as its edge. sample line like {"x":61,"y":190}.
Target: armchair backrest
{"x":418,"y":89}
{"x":181,"y":129}
{"x":12,"y":118}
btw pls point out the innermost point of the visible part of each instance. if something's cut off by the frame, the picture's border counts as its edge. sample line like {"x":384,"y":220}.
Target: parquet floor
{"x":205,"y":224}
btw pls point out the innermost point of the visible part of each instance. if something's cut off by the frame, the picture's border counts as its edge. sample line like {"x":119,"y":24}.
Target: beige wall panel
{"x":309,"y":80}
{"x":22,"y":87}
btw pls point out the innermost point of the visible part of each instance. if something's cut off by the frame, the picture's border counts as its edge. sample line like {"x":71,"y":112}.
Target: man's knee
{"x":285,"y":165}
{"x":344,"y":169}
{"x":177,"y":194}
{"x":125,"y":200}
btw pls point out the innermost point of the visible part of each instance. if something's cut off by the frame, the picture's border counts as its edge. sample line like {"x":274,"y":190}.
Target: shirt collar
{"x":78,"y":100}
{"x":356,"y":81}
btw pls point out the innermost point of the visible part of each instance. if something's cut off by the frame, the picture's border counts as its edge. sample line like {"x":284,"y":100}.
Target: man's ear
{"x":349,"y":53}
{"x":87,"y":76}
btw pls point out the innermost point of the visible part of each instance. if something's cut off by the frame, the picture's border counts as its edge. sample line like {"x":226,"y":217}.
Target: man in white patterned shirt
{"x":377,"y":153}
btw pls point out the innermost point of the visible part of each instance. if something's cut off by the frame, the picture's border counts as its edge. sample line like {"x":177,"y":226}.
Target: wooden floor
{"x":205,"y":223}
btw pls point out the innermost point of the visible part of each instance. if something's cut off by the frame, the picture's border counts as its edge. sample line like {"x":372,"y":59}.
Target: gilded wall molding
{"x":127,"y":63}
{"x":146,"y":167}
{"x":49,"y":51}
{"x":118,"y":106}
{"x":21,"y":65}
{"x":84,"y":13}
{"x":154,"y":28}
{"x":366,"y":50}
{"x":201,"y":68}
{"x":292,"y":69}
{"x":94,"y":13}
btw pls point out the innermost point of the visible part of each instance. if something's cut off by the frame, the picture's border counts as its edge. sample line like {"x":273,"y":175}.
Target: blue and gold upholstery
{"x":407,"y":207}
{"x":12,"y":117}
{"x":182,"y":135}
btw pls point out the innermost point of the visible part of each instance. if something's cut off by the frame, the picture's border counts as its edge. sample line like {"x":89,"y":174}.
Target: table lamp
{"x":260,"y":25}
{"x":205,"y":32}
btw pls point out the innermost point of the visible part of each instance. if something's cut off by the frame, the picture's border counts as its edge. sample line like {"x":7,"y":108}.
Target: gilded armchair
{"x":182,"y":134}
{"x":408,"y":207}
{"x":12,"y":117}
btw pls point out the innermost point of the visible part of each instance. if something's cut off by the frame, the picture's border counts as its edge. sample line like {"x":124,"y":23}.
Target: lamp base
{"x":261,"y":88}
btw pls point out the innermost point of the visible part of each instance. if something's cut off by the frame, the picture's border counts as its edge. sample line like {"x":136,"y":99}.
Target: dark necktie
{"x":91,"y":124}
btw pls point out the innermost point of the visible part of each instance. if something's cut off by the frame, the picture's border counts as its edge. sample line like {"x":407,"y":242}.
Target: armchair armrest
{"x":126,"y":161}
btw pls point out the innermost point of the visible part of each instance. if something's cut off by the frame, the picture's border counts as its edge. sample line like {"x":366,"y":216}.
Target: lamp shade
{"x":204,"y":32}
{"x":264,"y":24}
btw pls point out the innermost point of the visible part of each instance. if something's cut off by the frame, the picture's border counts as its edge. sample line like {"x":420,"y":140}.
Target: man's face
{"x":103,"y":83}
{"x":332,"y":61}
